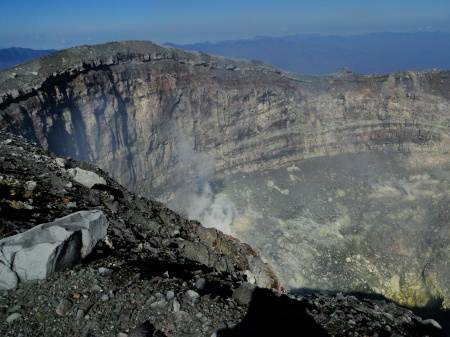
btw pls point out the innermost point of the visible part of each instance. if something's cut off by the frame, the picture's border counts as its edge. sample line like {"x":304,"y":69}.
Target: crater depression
{"x":341,"y":181}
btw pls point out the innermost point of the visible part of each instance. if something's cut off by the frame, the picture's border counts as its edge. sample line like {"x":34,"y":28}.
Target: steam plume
{"x":211,"y":208}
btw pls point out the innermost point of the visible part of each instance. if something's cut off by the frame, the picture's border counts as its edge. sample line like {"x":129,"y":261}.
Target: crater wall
{"x":137,"y":110}
{"x":125,"y":106}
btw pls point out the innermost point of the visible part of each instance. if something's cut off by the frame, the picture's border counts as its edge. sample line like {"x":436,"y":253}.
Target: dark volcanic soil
{"x":139,"y":282}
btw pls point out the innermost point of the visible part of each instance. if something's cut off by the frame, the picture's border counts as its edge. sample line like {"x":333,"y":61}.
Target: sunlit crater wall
{"x":127,"y":107}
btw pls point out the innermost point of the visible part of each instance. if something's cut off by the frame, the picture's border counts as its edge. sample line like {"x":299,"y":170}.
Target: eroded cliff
{"x":341,"y":180}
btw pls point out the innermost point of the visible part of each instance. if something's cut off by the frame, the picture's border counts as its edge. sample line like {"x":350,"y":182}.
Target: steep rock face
{"x":163,"y":121}
{"x":135,"y":101}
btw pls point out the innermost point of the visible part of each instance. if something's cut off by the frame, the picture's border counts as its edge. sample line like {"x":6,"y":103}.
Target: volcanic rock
{"x":38,"y":252}
{"x":132,"y":269}
{"x":86,"y":178}
{"x":243,"y":294}
{"x":341,"y":180}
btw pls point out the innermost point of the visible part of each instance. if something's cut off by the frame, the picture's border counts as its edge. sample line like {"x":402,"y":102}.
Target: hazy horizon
{"x":59,"y":25}
{"x":227,"y":40}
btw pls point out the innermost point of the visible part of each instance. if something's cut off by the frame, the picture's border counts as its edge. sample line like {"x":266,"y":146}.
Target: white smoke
{"x":211,"y":208}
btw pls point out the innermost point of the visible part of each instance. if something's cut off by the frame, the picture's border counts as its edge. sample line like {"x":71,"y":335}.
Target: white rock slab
{"x":38,"y":252}
{"x":86,"y":178}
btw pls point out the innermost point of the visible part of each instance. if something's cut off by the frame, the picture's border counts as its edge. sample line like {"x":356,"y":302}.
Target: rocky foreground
{"x":153,"y":274}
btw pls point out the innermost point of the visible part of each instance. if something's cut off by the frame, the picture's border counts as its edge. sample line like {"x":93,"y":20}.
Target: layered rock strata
{"x":126,"y":106}
{"x":143,"y":111}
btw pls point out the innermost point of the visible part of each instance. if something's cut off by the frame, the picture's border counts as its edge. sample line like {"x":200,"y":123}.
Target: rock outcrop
{"x":46,"y":248}
{"x":341,"y":181}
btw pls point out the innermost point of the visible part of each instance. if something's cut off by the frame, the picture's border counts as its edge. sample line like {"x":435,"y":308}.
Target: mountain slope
{"x":10,"y":57}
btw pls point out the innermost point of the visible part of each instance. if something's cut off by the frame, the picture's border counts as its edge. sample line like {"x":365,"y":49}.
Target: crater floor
{"x":365,"y":222}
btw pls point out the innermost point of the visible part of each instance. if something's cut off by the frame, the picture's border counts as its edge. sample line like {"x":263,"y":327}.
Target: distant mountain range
{"x":10,"y":57}
{"x":316,"y":54}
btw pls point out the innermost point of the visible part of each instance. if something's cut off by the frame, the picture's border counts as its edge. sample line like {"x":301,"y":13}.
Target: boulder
{"x":61,"y":162}
{"x":36,"y":253}
{"x":86,"y":178}
{"x":243,"y":294}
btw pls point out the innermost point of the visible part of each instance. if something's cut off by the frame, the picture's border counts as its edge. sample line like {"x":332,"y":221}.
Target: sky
{"x":52,"y":24}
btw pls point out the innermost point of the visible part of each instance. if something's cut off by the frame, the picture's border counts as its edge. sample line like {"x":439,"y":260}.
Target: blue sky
{"x":62,"y":24}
